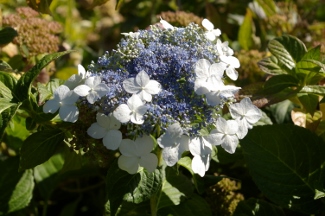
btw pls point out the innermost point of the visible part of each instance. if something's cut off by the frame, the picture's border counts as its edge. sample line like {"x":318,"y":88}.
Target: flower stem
{"x":153,"y":205}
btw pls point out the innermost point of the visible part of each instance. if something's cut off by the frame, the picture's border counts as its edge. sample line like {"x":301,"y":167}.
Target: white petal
{"x":213,"y":98}
{"x":184,"y":144}
{"x":122,"y":113}
{"x":165,"y":24}
{"x":69,"y":98}
{"x":81,"y":71}
{"x":73,"y":81}
{"x":149,"y":161}
{"x":210,"y":36}
{"x":102,"y":120}
{"x":51,"y":106}
{"x":144,"y":145}
{"x":207,"y":24}
{"x":198,"y":146}
{"x":216,"y":32}
{"x":134,"y":101}
{"x":218,"y":69}
{"x":96,"y":131}
{"x":131,"y":86}
{"x":128,"y":148}
{"x":153,"y":87}
{"x":198,"y":166}
{"x":92,"y":97}
{"x":242,"y":128}
{"x":113,"y":122}
{"x":82,"y":90}
{"x":142,"y":78}
{"x":129,"y":164}
{"x":69,"y":113}
{"x":202,"y":68}
{"x":201,"y":86}
{"x":112,"y":139}
{"x":61,"y":92}
{"x":232,"y":73}
{"x":171,"y":137}
{"x":171,"y":155}
{"x":145,"y":96}
{"x":230,"y":144}
{"x":101,"y":89}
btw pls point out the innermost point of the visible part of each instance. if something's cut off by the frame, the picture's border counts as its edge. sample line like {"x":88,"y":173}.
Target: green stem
{"x":153,"y":205}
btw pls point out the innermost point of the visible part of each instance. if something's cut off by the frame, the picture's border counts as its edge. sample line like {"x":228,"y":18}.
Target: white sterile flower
{"x":64,"y":99}
{"x":223,"y":48}
{"x":208,"y":77}
{"x":174,"y":143}
{"x":132,"y":34}
{"x":224,"y":134}
{"x":142,"y":86}
{"x":93,"y":89}
{"x":77,"y":79}
{"x":232,"y":63}
{"x":246,"y":114}
{"x":165,"y":24}
{"x":106,"y":127}
{"x":215,"y":98}
{"x":211,"y":33}
{"x":201,"y":150}
{"x":137,"y":153}
{"x":133,"y":110}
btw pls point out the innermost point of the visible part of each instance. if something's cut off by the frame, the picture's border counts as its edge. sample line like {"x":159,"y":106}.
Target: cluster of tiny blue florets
{"x":167,"y":56}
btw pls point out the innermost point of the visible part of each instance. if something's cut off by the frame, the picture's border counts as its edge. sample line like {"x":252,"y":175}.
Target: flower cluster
{"x":165,"y":83}
{"x":35,"y":33}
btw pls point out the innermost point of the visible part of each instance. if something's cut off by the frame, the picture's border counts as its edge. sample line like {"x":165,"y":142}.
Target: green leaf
{"x":175,"y":188}
{"x":314,"y":89}
{"x":5,"y":92}
{"x":5,"y":104}
{"x":193,"y":206}
{"x":246,"y":32}
{"x":8,"y":80}
{"x":288,"y":50}
{"x":135,"y":188}
{"x":309,"y":102}
{"x":5,"y":117}
{"x":23,"y":87}
{"x":4,"y":66}
{"x":287,"y":164}
{"x":46,"y":175}
{"x":281,"y":112}
{"x":16,"y":132}
{"x":7,"y":34}
{"x":268,"y":6}
{"x":271,"y":65}
{"x":39,"y":147}
{"x":149,"y":184}
{"x":257,"y":207}
{"x":16,"y":187}
{"x":278,"y":83}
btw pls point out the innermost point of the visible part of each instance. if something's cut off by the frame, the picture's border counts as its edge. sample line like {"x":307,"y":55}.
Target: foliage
{"x":51,"y":167}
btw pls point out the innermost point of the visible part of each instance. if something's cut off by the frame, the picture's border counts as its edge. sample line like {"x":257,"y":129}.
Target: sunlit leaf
{"x":272,"y":66}
{"x":281,"y":111}
{"x":16,"y":187}
{"x":8,"y":80}
{"x":245,"y":33}
{"x":22,"y":89}
{"x":46,"y":175}
{"x":5,"y":104}
{"x":268,"y":6}
{"x":287,"y":164}
{"x":309,"y":102}
{"x":39,"y":147}
{"x":288,"y":50}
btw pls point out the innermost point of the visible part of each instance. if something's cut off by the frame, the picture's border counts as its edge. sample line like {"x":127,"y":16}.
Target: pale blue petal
{"x":153,"y":87}
{"x":101,"y":89}
{"x":96,"y":131}
{"x":112,"y":139}
{"x":51,"y":106}
{"x":142,"y":79}
{"x":69,"y":113}
{"x":202,"y":68}
{"x":171,"y":155}
{"x":149,"y":161}
{"x":131,"y":86}
{"x":82,"y":90}
{"x":144,"y":145}
{"x":128,"y":148}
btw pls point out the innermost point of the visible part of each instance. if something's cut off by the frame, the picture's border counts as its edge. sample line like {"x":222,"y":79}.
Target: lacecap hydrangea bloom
{"x":167,"y":83}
